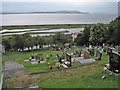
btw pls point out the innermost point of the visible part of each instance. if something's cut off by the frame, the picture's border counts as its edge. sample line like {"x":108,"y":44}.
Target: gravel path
{"x":14,"y":69}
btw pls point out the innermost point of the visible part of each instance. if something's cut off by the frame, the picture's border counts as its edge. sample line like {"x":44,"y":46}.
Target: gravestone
{"x":38,"y":61}
{"x":109,"y":51}
{"x":86,"y":54}
{"x":58,"y":56}
{"x":79,"y":53}
{"x":68,"y":58}
{"x":98,"y":56}
{"x":51,"y":55}
{"x":32,"y":57}
{"x":104,"y":49}
{"x":60,"y":59}
{"x":47,"y":58}
{"x":97,"y":52}
{"x":63,"y":56}
{"x":91,"y":52}
{"x":114,"y":61}
{"x":36,"y":56}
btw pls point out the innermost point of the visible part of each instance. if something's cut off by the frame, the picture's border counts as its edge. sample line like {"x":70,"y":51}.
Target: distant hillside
{"x":62,"y":11}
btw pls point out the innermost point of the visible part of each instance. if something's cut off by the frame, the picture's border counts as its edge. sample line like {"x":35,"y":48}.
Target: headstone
{"x":97,"y":52}
{"x":47,"y":58}
{"x":98,"y":56}
{"x":114,"y":61}
{"x":79,"y":53}
{"x":104,"y":49}
{"x":109,"y":51}
{"x":68,"y":58}
{"x":60,"y":60}
{"x":93,"y":52}
{"x":63,"y":56}
{"x":32,"y":57}
{"x":41,"y":58}
{"x":86,"y":54}
{"x":58,"y":56}
{"x":38,"y":61}
{"x":51,"y":55}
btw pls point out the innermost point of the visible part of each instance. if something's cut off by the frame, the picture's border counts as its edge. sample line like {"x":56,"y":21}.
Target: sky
{"x":60,"y":0}
{"x":91,"y":6}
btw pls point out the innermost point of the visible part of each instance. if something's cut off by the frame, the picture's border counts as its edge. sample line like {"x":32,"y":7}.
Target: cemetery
{"x":49,"y":60}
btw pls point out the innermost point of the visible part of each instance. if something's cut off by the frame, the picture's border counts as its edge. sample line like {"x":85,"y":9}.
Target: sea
{"x":55,"y":18}
{"x":52,"y":18}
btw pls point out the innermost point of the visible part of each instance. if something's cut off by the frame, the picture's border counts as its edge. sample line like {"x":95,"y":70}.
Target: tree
{"x":83,"y":36}
{"x":60,"y":39}
{"x":6,"y":43}
{"x":97,"y":34}
{"x":114,"y":32}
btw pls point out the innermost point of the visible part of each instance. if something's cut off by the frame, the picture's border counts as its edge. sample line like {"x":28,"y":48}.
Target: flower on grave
{"x":105,"y":68}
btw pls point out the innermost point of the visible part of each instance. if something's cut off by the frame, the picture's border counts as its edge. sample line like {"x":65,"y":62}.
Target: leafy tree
{"x":6,"y":43}
{"x":83,"y":36}
{"x":114,"y":32}
{"x":97,"y":34}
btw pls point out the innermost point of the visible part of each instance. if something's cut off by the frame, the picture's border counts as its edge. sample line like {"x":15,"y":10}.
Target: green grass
{"x":37,"y":67}
{"x":80,"y":77}
{"x":56,"y":26}
{"x":42,"y":66}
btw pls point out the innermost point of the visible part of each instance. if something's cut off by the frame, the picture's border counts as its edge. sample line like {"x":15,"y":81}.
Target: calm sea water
{"x":40,"y":19}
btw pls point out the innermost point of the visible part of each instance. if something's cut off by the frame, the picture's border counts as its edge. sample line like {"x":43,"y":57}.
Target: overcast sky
{"x":91,"y":6}
{"x":60,"y":0}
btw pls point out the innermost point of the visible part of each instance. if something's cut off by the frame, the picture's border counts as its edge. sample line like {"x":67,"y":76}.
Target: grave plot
{"x":86,"y":61}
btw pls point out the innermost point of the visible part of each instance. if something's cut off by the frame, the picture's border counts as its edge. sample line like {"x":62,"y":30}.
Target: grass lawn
{"x":41,"y":66}
{"x":80,"y":77}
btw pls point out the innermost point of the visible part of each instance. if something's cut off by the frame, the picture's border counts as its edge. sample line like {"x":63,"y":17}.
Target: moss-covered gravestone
{"x":114,"y":62}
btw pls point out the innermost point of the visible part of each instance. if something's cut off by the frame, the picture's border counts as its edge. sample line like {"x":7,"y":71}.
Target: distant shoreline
{"x":70,"y":12}
{"x":54,"y":26}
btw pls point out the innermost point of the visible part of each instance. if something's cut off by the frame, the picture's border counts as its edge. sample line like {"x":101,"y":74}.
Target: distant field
{"x":57,"y":26}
